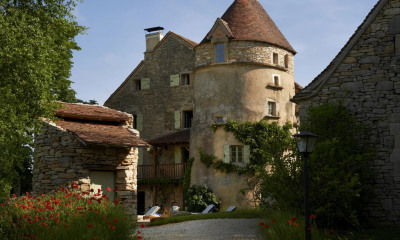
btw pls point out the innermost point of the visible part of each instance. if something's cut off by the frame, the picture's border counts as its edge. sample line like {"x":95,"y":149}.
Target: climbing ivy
{"x":267,"y":141}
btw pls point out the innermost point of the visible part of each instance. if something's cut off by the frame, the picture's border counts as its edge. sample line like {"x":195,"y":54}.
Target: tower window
{"x":275,"y":58}
{"x":219,"y":52}
{"x":276,"y":81}
{"x":272,"y":108}
{"x":286,"y":61}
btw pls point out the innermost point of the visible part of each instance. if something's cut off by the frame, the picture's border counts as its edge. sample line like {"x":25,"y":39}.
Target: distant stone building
{"x":365,"y":76}
{"x":91,"y":145}
{"x":242,"y":70}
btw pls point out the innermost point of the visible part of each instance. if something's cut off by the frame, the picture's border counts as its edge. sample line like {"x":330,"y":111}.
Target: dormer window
{"x":219,"y":52}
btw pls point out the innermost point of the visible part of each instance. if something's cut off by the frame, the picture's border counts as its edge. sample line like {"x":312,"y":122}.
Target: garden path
{"x":211,"y":229}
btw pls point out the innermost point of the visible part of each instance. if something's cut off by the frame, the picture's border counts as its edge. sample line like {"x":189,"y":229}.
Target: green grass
{"x":239,"y":213}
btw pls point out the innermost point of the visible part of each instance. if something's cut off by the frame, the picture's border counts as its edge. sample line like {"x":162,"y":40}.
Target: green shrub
{"x":64,"y":215}
{"x":340,"y":172}
{"x":199,"y":197}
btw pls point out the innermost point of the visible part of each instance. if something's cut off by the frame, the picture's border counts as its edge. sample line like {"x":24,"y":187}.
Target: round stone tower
{"x":244,"y":72}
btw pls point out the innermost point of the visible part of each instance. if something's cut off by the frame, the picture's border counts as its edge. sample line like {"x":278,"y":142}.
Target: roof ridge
{"x":307,"y":91}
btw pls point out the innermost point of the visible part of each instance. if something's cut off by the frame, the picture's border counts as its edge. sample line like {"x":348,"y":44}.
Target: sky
{"x":114,"y":42}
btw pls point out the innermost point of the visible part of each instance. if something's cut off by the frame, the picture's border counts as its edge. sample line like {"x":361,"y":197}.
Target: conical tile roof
{"x":248,"y":20}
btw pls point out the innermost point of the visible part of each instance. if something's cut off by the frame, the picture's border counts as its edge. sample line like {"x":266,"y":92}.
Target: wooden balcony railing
{"x":163,"y":171}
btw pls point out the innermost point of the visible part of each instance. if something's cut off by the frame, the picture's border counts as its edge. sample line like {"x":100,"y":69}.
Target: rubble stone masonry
{"x":60,"y":159}
{"x":367,"y":81}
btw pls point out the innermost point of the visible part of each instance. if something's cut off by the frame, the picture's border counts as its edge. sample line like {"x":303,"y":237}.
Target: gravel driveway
{"x":212,"y":229}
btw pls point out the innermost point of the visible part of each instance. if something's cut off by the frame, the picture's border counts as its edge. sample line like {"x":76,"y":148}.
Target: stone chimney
{"x":153,"y":37}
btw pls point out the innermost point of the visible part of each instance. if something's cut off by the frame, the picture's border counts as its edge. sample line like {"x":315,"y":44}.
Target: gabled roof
{"x":187,"y":41}
{"x":224,"y":26}
{"x":180,"y":137}
{"x":316,"y":85}
{"x":170,"y":33}
{"x":98,"y":125}
{"x":90,"y":112}
{"x":102,"y":134}
{"x":248,"y":20}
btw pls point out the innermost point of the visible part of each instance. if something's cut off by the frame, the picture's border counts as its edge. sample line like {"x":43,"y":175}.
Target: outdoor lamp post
{"x":305,"y":144}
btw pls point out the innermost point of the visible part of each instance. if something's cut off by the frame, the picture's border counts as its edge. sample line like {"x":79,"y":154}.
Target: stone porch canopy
{"x":98,"y":125}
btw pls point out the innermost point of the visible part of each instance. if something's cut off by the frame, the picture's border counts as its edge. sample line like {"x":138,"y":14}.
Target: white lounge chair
{"x":230,"y":209}
{"x":152,"y":212}
{"x":208,"y":208}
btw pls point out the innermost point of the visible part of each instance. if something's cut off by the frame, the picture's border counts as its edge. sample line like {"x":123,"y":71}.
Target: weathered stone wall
{"x":61,"y":159}
{"x":368,"y":83}
{"x":158,"y":104}
{"x":247,"y":52}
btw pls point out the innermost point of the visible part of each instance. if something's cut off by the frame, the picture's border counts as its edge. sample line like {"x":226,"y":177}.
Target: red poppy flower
{"x":309,"y":228}
{"x":91,"y":190}
{"x":138,"y":232}
{"x":262,"y":224}
{"x":312,"y":216}
{"x":14,"y":195}
{"x":273,"y":220}
{"x":296,"y":224}
{"x":139,"y":237}
{"x":115,"y":190}
{"x":115,"y":220}
{"x":90,"y":225}
{"x":142,"y":225}
{"x":266,"y":226}
{"x":332,"y":230}
{"x":108,"y":189}
{"x":116,"y":202}
{"x":290,"y":222}
{"x":294,"y":219}
{"x":112,"y":227}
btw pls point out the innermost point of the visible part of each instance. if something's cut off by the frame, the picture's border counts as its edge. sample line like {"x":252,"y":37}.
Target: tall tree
{"x":36,"y":44}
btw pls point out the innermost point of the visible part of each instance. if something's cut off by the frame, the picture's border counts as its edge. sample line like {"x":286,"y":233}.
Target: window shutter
{"x":174,"y":80}
{"x":227,"y":157}
{"x":145,"y":83}
{"x":177,"y":119}
{"x":139,"y":124}
{"x":178,"y":157}
{"x":246,"y":154}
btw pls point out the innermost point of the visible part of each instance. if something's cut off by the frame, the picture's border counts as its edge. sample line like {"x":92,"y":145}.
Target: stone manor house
{"x":242,"y":70}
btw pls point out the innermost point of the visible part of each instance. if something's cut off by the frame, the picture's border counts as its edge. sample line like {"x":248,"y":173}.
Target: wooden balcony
{"x":174,"y":171}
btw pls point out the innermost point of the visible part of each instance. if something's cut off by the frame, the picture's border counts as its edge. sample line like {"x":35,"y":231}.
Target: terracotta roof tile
{"x":248,"y":20}
{"x":180,"y":137}
{"x":102,"y":134}
{"x":90,"y":112}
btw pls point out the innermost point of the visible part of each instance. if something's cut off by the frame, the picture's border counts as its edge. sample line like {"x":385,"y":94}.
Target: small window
{"x":286,"y":61}
{"x":220,"y":120}
{"x":185,"y":79}
{"x":272,"y":108}
{"x":219,"y":52}
{"x":138,"y":85}
{"x":275,"y":58}
{"x":236,"y":153}
{"x":187,"y":119}
{"x":276,"y":81}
